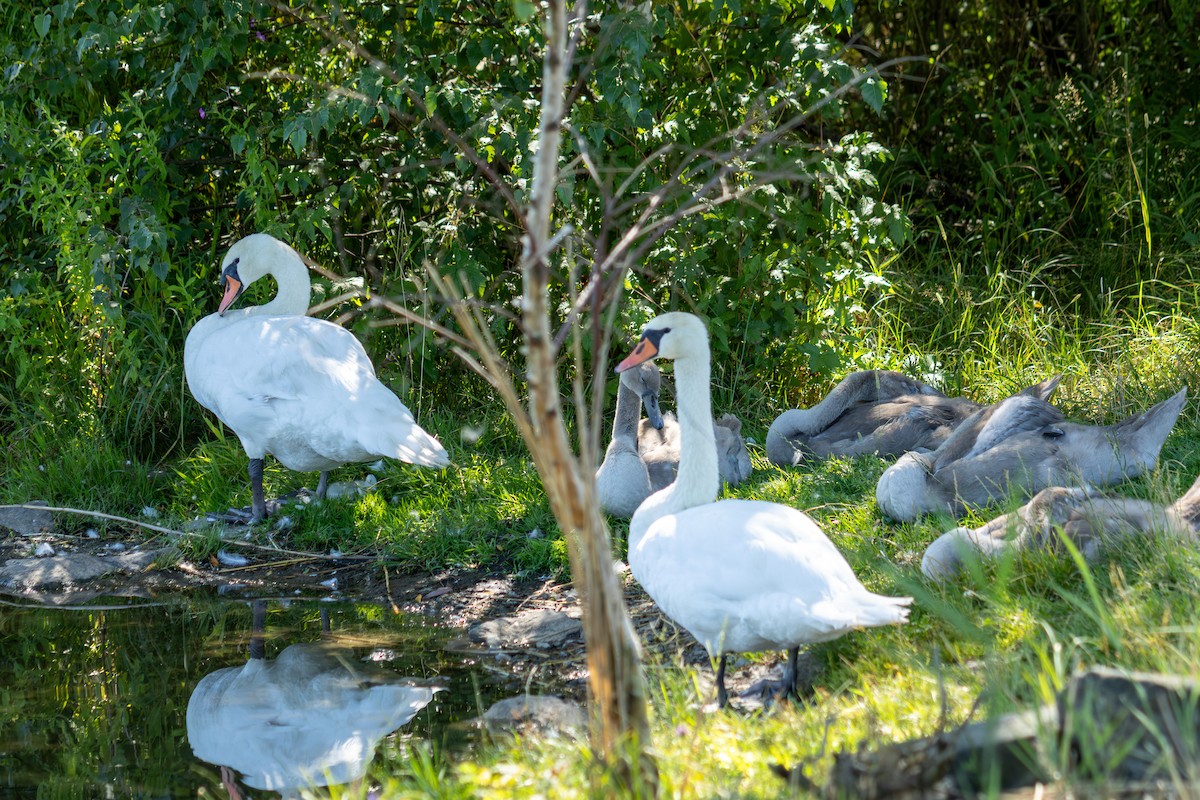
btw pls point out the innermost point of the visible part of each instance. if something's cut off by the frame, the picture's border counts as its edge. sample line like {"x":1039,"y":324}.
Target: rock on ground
{"x":534,"y":628}
{"x":27,"y":521}
{"x":68,"y":569}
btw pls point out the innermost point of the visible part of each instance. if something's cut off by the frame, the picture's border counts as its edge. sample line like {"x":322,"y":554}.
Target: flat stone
{"x":538,"y":713}
{"x":535,"y":628}
{"x":68,"y":569}
{"x":27,"y":521}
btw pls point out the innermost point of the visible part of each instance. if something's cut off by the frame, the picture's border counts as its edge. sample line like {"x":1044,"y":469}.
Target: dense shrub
{"x":139,"y":141}
{"x":1044,"y":127}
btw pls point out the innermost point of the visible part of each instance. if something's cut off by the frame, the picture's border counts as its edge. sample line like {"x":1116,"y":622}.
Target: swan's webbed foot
{"x":260,"y":507}
{"x":771,"y":691}
{"x":245,"y":515}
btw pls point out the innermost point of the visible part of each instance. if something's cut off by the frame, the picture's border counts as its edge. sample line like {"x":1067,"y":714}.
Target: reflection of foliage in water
{"x":97,"y":699}
{"x":92,"y":697}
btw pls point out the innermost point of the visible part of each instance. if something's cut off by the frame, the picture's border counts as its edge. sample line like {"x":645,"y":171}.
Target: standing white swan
{"x":739,"y":575}
{"x":299,"y":388}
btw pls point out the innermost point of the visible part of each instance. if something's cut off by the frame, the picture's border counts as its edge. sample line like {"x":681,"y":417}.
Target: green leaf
{"x":523,"y":9}
{"x":41,"y":24}
{"x":874,"y":91}
{"x":298,"y":138}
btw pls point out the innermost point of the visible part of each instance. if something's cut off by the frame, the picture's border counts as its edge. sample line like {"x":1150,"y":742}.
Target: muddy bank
{"x":40,"y":564}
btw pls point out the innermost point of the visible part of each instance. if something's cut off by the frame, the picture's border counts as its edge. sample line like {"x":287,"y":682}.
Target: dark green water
{"x":93,"y":701}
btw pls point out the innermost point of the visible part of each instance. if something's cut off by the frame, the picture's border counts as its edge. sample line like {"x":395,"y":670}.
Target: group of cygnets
{"x":743,"y":575}
{"x":954,"y":454}
{"x":739,"y":575}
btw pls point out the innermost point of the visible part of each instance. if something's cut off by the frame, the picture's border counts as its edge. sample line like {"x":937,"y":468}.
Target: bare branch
{"x":490,"y":366}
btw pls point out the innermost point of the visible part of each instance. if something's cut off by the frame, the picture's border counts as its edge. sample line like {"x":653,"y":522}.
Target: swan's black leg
{"x":323,"y":485}
{"x":258,"y":501}
{"x":258,"y":628}
{"x":722,"y":695}
{"x":792,"y":674}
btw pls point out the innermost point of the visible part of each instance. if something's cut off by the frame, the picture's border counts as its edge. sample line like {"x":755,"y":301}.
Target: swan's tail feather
{"x":881,"y":610}
{"x":1141,"y":437}
{"x":420,"y":448}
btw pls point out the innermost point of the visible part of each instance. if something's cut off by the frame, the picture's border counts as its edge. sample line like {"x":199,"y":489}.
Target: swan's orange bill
{"x":644,"y":351}
{"x":233,"y":288}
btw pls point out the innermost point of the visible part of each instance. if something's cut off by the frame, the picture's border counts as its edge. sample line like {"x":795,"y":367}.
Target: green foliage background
{"x":1024,"y":202}
{"x":1046,"y":150}
{"x":140,"y":140}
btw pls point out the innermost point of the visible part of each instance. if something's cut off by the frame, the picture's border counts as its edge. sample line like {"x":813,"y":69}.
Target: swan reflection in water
{"x":310,"y":717}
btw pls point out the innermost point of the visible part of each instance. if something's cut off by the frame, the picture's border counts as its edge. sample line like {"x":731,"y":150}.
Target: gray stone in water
{"x":541,"y":713}
{"x":69,"y":569}
{"x":27,"y":521}
{"x":537,"y":628}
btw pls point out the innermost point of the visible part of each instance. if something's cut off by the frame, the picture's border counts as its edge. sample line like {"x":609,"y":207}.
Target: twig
{"x":174,"y":532}
{"x":387,"y":590}
{"x":114,"y":607}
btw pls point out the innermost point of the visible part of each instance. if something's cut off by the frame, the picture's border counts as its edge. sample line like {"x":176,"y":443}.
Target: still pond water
{"x":94,"y":701}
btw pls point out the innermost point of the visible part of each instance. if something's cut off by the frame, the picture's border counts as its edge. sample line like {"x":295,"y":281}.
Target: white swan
{"x":739,"y":575}
{"x":299,"y":388}
{"x":310,"y":717}
{"x":1086,"y":517}
{"x":623,"y":481}
{"x":1022,"y":445}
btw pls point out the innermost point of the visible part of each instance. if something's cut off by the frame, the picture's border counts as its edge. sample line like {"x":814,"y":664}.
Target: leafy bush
{"x":138,"y":142}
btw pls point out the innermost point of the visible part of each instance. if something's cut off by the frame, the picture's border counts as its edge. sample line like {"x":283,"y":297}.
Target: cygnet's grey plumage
{"x":878,"y":412}
{"x":1089,"y":519}
{"x":623,"y":481}
{"x":643,"y":455}
{"x":1020,"y":446}
{"x":660,"y":450}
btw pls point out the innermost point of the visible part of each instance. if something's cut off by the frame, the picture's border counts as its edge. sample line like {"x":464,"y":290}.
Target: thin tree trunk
{"x":620,"y":728}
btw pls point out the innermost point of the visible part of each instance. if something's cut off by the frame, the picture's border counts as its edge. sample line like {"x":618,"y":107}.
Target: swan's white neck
{"x":294,"y":288}
{"x":698,"y":481}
